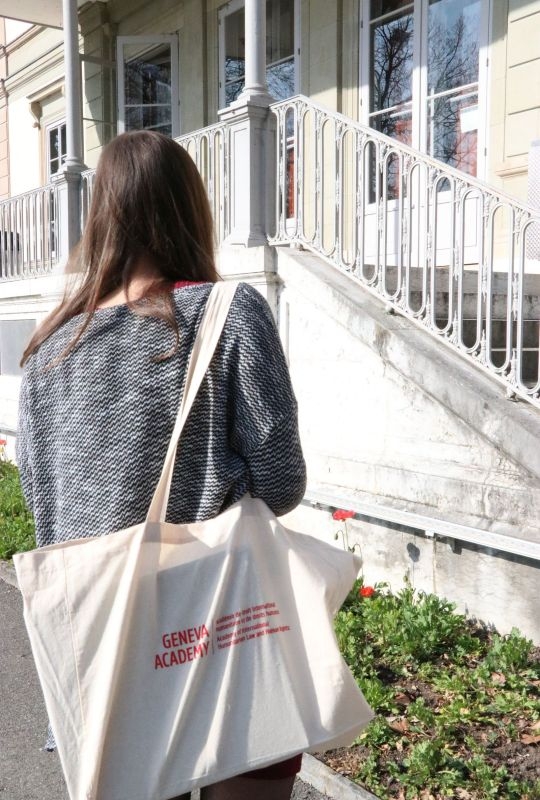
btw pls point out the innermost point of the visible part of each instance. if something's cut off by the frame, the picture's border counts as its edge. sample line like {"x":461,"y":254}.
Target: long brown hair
{"x":148,"y":203}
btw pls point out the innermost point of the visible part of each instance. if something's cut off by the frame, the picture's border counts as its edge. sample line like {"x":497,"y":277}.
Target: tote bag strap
{"x":215,"y":314}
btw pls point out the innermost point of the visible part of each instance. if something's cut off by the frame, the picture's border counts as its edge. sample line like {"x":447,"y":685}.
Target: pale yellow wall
{"x":514,"y":113}
{"x":34,"y":83}
{"x":24,"y":148}
{"x":321,"y":51}
{"x":98,"y":80}
{"x":4,"y":139}
{"x":193,"y":41}
{"x":350,"y":61}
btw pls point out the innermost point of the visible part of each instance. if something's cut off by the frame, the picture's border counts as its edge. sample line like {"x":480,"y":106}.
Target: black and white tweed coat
{"x":94,"y":429}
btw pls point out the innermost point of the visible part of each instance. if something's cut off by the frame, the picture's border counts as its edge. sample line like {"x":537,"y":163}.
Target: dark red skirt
{"x":285,"y":769}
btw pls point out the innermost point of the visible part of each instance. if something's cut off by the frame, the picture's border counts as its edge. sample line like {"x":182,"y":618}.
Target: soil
{"x":521,"y":758}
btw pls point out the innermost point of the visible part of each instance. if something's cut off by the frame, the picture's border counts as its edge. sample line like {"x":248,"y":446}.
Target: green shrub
{"x":16,"y":522}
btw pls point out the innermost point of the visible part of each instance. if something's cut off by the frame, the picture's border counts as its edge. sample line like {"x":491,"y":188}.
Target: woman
{"x":104,"y":376}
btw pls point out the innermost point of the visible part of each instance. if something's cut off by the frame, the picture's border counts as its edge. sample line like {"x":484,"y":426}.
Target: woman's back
{"x":94,"y":428}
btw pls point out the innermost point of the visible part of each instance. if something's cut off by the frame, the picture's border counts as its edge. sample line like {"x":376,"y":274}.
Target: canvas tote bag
{"x":174,"y":656}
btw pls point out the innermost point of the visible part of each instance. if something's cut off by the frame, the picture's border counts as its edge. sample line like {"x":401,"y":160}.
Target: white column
{"x":74,"y":157}
{"x":68,"y":181}
{"x":255,"y":48}
{"x":252,"y":142}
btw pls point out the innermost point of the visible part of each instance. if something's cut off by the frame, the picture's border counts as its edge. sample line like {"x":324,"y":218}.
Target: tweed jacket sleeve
{"x":21,"y":445}
{"x":263,"y":408}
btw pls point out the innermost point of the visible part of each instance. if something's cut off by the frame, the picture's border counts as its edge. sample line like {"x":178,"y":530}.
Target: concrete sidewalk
{"x":26,"y":772}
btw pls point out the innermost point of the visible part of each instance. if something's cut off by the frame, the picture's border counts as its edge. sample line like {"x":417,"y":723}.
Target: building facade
{"x":374,"y":167}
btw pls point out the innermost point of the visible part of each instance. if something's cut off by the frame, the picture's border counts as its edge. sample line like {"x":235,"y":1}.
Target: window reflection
{"x":447,"y":107}
{"x":280,"y":78}
{"x":452,"y":106}
{"x":397,"y":124}
{"x":235,"y":55}
{"x":392,"y":62}
{"x":147,"y":88}
{"x":453,"y":131}
{"x":452,"y":43}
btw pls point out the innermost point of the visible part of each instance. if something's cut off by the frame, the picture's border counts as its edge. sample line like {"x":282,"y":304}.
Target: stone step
{"x":500,"y":292}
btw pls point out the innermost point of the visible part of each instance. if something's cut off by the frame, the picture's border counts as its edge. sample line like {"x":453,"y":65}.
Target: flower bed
{"x":458,"y":706}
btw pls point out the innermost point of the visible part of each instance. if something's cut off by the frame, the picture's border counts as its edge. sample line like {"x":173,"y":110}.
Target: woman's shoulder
{"x":248,"y":307}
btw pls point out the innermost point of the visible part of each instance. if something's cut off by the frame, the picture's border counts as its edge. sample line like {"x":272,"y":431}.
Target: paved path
{"x":26,"y":772}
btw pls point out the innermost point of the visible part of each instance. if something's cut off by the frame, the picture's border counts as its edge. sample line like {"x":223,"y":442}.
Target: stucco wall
{"x":386,"y":412}
{"x":515,"y":92}
{"x":35,"y":76}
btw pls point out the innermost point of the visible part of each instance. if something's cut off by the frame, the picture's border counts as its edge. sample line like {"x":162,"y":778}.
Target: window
{"x":148,"y":84}
{"x":424,"y":74}
{"x":14,"y":336}
{"x":280,"y":49}
{"x":56,"y":148}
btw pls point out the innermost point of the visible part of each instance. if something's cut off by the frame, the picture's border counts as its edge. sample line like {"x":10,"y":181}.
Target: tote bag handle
{"x":215,"y":314}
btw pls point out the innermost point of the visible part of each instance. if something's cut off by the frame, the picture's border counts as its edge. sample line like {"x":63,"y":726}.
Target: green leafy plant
{"x":449,"y":695}
{"x":16,"y":522}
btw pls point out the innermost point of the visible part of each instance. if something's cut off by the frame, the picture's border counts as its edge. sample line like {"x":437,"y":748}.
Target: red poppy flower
{"x":366,"y":591}
{"x":340,"y":514}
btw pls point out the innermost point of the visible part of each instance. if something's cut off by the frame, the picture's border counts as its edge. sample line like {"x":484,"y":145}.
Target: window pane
{"x":454,"y":30}
{"x":391,"y":62}
{"x":235,"y":52}
{"x":280,"y":79}
{"x":279,"y":30}
{"x":380,"y":7}
{"x":397,"y":124}
{"x":157,"y":118}
{"x":54,"y":144}
{"x":453,"y":131}
{"x":147,"y":75}
{"x":232,"y":90}
{"x":134,"y":118}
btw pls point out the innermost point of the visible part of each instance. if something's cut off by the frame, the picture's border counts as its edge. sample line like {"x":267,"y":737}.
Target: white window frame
{"x":419,"y":77}
{"x":225,"y":11}
{"x":172,"y":40}
{"x":231,"y":8}
{"x":50,"y":127}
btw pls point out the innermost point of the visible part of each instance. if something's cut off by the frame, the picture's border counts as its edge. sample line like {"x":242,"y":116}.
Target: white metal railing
{"x":29,"y":234}
{"x":87,"y":185}
{"x":456,"y":256}
{"x":210,"y":150}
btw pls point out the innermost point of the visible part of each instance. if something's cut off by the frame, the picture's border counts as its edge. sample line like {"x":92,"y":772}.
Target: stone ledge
{"x":328,"y":782}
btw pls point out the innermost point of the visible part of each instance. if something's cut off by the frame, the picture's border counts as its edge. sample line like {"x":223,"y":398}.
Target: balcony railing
{"x":210,"y":150}
{"x":87,"y":185}
{"x":29,"y":234}
{"x":452,"y":254}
